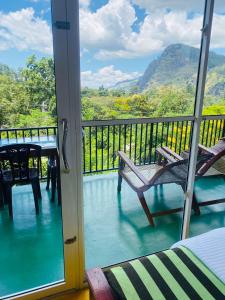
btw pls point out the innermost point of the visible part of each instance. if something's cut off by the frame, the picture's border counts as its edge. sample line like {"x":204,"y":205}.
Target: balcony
{"x":116,"y":228}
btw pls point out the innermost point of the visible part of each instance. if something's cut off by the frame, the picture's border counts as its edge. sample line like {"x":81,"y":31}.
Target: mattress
{"x":210,"y":249}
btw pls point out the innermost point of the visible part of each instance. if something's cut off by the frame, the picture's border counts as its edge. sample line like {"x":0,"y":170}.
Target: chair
{"x":208,"y":164}
{"x":216,"y":163}
{"x":20,"y":164}
{"x":171,"y":168}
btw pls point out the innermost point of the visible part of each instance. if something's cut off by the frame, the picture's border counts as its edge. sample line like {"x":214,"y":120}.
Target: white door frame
{"x":199,"y":98}
{"x":65,"y":20}
{"x":67,"y":71}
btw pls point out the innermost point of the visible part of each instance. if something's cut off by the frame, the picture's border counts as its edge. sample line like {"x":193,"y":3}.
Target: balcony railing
{"x":139,"y":138}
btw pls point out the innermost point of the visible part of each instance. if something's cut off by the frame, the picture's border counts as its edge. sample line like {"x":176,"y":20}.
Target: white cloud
{"x":107,"y":76}
{"x":109,"y":26}
{"x":24,"y":31}
{"x":109,"y":33}
{"x":84,"y":3}
{"x":191,"y":5}
{"x":157,"y":32}
{"x":218,"y":33}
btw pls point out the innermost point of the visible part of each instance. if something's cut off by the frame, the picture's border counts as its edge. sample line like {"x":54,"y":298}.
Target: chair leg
{"x":58,"y":187}
{"x":8,"y":195}
{"x":145,"y":207}
{"x":48,"y":177}
{"x":195,"y":205}
{"x":120,"y":178}
{"x":35,"y":193}
{"x":5,"y":199}
{"x":53,"y":179}
{"x":39,"y":190}
{"x":1,"y":196}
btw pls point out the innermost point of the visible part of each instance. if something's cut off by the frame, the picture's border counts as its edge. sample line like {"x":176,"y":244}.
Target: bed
{"x":191,"y":269}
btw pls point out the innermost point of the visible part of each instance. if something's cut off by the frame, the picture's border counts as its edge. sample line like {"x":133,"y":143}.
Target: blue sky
{"x":119,"y":38}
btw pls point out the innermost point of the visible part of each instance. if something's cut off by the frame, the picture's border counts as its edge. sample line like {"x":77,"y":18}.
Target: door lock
{"x":70,"y":240}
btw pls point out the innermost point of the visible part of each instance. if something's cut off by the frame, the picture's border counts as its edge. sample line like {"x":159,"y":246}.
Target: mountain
{"x":178,"y":65}
{"x":215,"y":84}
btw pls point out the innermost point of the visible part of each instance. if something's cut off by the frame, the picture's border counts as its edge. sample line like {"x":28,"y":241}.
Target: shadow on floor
{"x":116,"y":228}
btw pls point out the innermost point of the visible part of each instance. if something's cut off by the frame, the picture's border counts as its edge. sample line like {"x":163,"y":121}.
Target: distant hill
{"x":178,"y":65}
{"x":126,"y":84}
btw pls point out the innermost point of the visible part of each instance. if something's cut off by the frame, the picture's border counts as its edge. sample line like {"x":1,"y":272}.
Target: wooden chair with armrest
{"x":172,"y":170}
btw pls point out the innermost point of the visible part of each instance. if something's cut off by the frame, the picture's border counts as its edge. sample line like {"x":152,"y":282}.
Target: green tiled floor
{"x":31,"y":246}
{"x":116,"y":229}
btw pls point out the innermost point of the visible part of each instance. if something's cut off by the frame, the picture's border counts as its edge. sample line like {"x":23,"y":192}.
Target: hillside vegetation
{"x":167,"y":88}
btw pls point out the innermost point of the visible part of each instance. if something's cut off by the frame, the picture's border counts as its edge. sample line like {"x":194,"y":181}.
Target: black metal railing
{"x":26,"y":135}
{"x":31,"y":132}
{"x":139,"y":138}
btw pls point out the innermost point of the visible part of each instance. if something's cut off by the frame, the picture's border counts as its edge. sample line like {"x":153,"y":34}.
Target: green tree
{"x":102,"y":91}
{"x":35,"y":118}
{"x":140,"y":104}
{"x":216,"y":109}
{"x":13,"y":100}
{"x":172,"y":100}
{"x":39,"y":81}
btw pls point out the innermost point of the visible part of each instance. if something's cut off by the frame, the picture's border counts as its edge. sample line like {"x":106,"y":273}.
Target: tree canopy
{"x":27,"y":98}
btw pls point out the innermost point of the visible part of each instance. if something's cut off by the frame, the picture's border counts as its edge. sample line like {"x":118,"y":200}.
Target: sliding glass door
{"x":139,"y":78}
{"x":142,"y":88}
{"x":209,"y":183}
{"x":41,"y":240}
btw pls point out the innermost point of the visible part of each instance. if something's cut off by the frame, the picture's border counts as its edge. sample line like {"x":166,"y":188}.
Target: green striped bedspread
{"x":171,"y":274}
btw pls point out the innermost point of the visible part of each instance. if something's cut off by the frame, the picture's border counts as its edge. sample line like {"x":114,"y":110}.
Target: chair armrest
{"x":132,"y":166}
{"x":166,"y":155}
{"x":172,"y":153}
{"x":208,"y":150}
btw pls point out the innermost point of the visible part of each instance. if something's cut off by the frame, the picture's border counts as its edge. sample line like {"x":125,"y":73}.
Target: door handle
{"x":64,"y":140}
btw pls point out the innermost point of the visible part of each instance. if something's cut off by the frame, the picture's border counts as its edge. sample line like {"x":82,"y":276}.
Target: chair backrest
{"x":18,"y":158}
{"x":208,"y":160}
{"x":177,"y":172}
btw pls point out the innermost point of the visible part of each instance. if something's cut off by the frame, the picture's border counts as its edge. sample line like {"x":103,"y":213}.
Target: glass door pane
{"x":209,"y":183}
{"x":33,"y":253}
{"x":138,"y":79}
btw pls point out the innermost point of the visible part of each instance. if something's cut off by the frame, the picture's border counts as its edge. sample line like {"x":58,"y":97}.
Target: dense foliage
{"x":27,"y":98}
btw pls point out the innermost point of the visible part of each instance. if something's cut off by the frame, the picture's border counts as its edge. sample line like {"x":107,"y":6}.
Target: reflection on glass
{"x":138,"y":67}
{"x":214,"y":101}
{"x":210,"y":184}
{"x":31,"y":231}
